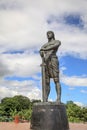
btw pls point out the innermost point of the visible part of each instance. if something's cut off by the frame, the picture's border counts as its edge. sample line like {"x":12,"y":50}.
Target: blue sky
{"x":23,"y":27}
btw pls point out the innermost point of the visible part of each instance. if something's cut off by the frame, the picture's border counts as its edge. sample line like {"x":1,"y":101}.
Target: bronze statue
{"x":50,"y":66}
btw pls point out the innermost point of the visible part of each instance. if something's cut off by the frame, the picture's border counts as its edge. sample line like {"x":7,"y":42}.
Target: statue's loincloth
{"x":52,"y":68}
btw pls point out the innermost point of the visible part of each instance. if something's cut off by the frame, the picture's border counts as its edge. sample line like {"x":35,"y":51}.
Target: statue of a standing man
{"x":51,"y":66}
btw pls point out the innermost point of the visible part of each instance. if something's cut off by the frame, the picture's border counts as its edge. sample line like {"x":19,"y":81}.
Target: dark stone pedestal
{"x":49,"y":116}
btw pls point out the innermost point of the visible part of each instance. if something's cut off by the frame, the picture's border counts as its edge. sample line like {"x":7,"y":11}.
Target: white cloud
{"x":79,"y":104}
{"x":3,"y":69}
{"x":20,"y":65}
{"x":5,"y":92}
{"x":73,"y":39}
{"x":19,"y":30}
{"x":26,"y":64}
{"x":73,"y":81}
{"x":27,"y":88}
{"x":23,"y":26}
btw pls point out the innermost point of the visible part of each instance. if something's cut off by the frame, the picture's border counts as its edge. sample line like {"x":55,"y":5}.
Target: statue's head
{"x":50,"y":35}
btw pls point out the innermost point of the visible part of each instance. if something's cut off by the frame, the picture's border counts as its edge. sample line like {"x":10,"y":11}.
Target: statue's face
{"x":49,"y":35}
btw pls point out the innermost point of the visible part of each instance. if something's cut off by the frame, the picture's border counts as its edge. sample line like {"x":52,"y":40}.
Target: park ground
{"x":26,"y":126}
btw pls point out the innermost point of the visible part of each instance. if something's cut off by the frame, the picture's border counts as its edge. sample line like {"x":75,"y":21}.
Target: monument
{"x":49,"y":115}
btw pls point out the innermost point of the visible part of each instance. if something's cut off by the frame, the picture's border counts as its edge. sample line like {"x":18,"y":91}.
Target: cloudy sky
{"x":23,"y":27}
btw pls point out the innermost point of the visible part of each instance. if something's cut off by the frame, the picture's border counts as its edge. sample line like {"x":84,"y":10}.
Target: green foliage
{"x":25,"y":114}
{"x":22,"y":102}
{"x":14,"y":104}
{"x":22,"y":106}
{"x":17,"y":105}
{"x":5,"y":119}
{"x":76,"y":113}
{"x":17,"y":102}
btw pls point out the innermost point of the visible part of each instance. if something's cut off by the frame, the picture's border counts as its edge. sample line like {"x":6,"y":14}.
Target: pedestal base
{"x":49,"y":116}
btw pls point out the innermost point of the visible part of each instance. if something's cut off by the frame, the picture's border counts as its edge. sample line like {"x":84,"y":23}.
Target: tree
{"x":76,"y":113}
{"x":22,"y":102}
{"x":16,"y":103}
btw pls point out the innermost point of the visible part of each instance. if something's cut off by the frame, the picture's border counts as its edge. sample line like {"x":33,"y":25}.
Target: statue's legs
{"x":58,"y":91}
{"x":47,"y":89}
